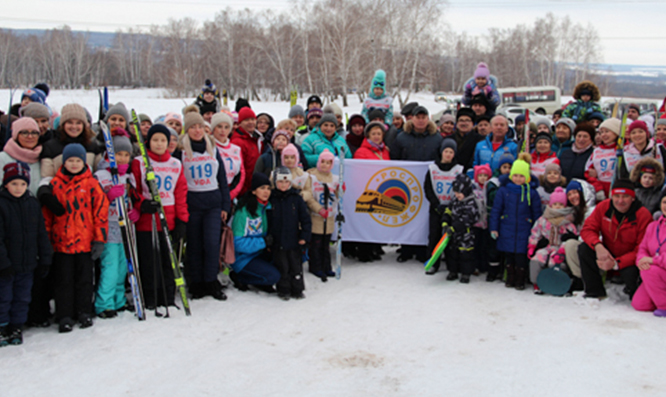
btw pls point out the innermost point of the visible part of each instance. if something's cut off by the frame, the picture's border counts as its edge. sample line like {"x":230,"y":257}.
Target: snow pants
{"x":111,"y":285}
{"x":651,"y":294}
{"x":459,"y":260}
{"x":15,"y":298}
{"x":42,"y":293}
{"x":481,"y":241}
{"x":156,"y":276}
{"x":72,"y":284}
{"x":259,"y":272}
{"x":288,"y":263}
{"x":320,"y":253}
{"x":204,"y":231}
{"x":591,"y":273}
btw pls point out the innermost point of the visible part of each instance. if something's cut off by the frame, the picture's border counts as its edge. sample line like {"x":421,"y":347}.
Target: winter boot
{"x":659,"y":313}
{"x":321,"y":275}
{"x":284,"y":296}
{"x":510,"y":276}
{"x":14,"y":335}
{"x":106,"y":314}
{"x":241,"y":286}
{"x":434,"y":269}
{"x":451,"y":276}
{"x":537,"y":290}
{"x":214,"y":289}
{"x":4,"y":335}
{"x":464,"y":279}
{"x":520,"y":278}
{"x":197,"y":290}
{"x":85,"y":321}
{"x":65,"y":325}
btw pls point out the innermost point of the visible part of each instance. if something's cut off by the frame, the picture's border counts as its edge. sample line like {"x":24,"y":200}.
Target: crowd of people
{"x":514,"y":199}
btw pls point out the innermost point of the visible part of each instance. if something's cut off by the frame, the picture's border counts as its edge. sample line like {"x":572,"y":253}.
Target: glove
{"x":440,"y":209}
{"x":600,"y":196}
{"x":179,"y":231}
{"x":494,"y":235}
{"x":568,"y":236}
{"x":149,"y":206}
{"x":446,"y":229}
{"x":476,"y":91}
{"x":97,"y":249}
{"x":7,"y":272}
{"x":115,"y":192}
{"x":487,"y":90}
{"x":268,"y":240}
{"x":50,"y":201}
{"x":530,"y":250}
{"x":324,"y":213}
{"x":134,"y":215}
{"x":542,"y":243}
{"x":43,"y":271}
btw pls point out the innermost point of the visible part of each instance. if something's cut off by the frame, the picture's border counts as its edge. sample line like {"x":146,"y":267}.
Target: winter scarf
{"x":379,"y":146}
{"x":557,"y":218}
{"x":579,"y":151}
{"x":30,"y":156}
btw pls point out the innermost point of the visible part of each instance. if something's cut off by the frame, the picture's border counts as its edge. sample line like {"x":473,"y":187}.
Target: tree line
{"x":330,"y":47}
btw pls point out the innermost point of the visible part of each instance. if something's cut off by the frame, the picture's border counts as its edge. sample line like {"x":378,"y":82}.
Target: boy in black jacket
{"x":24,"y":247}
{"x":458,"y":219}
{"x":290,"y":227}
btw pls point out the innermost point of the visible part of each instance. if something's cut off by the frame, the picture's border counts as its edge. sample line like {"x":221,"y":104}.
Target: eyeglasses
{"x":464,"y":120}
{"x":29,"y":133}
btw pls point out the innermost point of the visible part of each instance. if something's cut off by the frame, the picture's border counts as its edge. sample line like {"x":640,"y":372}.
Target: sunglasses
{"x":29,"y":133}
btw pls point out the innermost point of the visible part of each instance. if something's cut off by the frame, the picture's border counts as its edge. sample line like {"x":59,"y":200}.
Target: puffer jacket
{"x":413,"y":146}
{"x":249,"y":232}
{"x":369,"y":152}
{"x":514,"y":212}
{"x":484,"y":153}
{"x":251,"y":149}
{"x":24,"y":243}
{"x":86,"y":213}
{"x":289,"y":219}
{"x":316,"y":142}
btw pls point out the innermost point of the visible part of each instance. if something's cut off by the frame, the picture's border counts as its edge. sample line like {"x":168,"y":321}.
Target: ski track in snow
{"x":384,"y":329}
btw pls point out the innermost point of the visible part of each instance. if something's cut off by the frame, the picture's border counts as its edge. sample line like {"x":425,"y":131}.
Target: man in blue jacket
{"x":489,"y":150}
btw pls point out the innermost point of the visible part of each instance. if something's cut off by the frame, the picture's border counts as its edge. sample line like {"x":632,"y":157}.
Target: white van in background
{"x":542,"y":100}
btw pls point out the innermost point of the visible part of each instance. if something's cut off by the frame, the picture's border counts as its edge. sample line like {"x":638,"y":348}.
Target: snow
{"x":383,"y":329}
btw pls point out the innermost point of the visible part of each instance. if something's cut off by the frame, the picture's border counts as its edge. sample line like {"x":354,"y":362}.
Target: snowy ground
{"x":384,"y":329}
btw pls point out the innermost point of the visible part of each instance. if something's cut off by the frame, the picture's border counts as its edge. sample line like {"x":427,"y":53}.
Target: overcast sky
{"x":632,"y":32}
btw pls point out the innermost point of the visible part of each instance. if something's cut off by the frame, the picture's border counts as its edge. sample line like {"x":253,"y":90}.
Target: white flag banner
{"x":385,"y":202}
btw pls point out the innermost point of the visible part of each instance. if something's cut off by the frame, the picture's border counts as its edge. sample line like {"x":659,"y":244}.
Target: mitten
{"x":149,"y":206}
{"x":134,"y":215}
{"x":115,"y":192}
{"x":530,"y":250}
{"x":50,"y":201}
{"x":179,"y":231}
{"x":568,"y":236}
{"x":487,"y":90}
{"x":600,"y":196}
{"x":542,"y":243}
{"x":323,"y":213}
{"x":97,"y":249}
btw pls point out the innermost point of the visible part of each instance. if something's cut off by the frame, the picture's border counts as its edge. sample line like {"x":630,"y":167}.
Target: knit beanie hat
{"x":333,"y":108}
{"x":448,"y":143}
{"x":661,"y":120}
{"x":408,"y":108}
{"x":158,"y":129}
{"x":220,"y":118}
{"x":313,"y":99}
{"x":290,"y":150}
{"x":35,"y":95}
{"x":17,"y":170}
{"x":372,"y":125}
{"x":543,"y":135}
{"x":522,"y":166}
{"x":24,"y":124}
{"x":482,"y":70}
{"x":635,"y":107}
{"x":520,"y":119}
{"x":376,"y":114}
{"x":315,"y":112}
{"x":506,"y":158}
{"x":325,"y":155}
{"x":246,"y":113}
{"x":611,"y":124}
{"x":575,"y":185}
{"x":119,"y":109}
{"x":296,"y":110}
{"x":35,"y":110}
{"x":446,"y":118}
{"x":328,"y":118}
{"x":242,"y":103}
{"x":144,"y":117}
{"x":479,"y":99}
{"x":638,"y":124}
{"x":558,"y":196}
{"x":282,"y":173}
{"x":121,"y":141}
{"x":596,"y":116}
{"x":568,"y":122}
{"x":278,"y":133}
{"x":259,"y":179}
{"x":192,"y":119}
{"x":208,"y":87}
{"x":379,"y":81}
{"x":482,"y":169}
{"x":207,"y":107}
{"x":173,"y":116}
{"x":623,"y":186}
{"x":74,"y":150}
{"x":462,"y":184}
{"x":543,"y":121}
{"x":73,"y":111}
{"x":553,"y":167}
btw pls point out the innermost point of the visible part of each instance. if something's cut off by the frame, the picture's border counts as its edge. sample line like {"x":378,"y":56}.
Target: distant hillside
{"x":95,"y":39}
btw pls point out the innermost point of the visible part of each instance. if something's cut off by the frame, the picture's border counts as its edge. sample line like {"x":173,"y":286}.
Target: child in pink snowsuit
{"x":550,"y":231}
{"x":651,"y":261}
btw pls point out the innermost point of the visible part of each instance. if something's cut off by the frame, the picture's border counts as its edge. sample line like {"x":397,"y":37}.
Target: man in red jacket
{"x":612,"y":234}
{"x":249,"y":141}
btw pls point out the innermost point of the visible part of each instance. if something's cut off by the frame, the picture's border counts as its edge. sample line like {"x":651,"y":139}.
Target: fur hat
{"x":482,"y":70}
{"x":373,"y":124}
{"x":612,"y":124}
{"x":558,"y":196}
{"x":246,"y":113}
{"x":325,"y":155}
{"x":379,"y":81}
{"x":465,"y":112}
{"x":649,"y":165}
{"x":587,"y":85}
{"x":408,"y":108}
{"x":296,"y":110}
{"x":17,"y":170}
{"x":207,"y":107}
{"x":462,"y":184}
{"x":290,"y":150}
{"x":24,"y":124}
{"x":119,"y":109}
{"x":35,"y":110}
{"x":522,"y":166}
{"x":220,"y":118}
{"x":73,"y":111}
